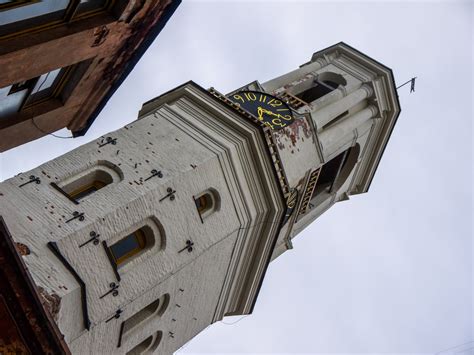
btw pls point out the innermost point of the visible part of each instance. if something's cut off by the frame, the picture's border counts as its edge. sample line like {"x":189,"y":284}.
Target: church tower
{"x":139,"y":240}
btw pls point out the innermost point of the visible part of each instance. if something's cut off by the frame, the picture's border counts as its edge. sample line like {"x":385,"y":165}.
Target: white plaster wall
{"x":195,"y":150}
{"x":37,"y":214}
{"x":194,"y":291}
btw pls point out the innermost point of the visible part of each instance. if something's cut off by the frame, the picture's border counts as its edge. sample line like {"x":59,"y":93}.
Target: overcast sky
{"x":388,"y":271}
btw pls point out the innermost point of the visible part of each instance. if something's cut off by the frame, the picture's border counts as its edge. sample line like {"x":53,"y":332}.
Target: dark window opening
{"x":87,"y":185}
{"x":318,"y":90}
{"x":50,"y":85}
{"x":329,"y":173}
{"x":87,"y":190}
{"x":203,"y":203}
{"x":207,"y":203}
{"x":131,"y":246}
{"x":336,"y":171}
{"x":128,"y":247}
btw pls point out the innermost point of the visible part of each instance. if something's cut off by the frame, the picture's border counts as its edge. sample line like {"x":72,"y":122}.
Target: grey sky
{"x":388,"y":271}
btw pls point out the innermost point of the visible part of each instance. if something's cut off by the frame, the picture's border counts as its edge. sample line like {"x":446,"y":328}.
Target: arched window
{"x":89,"y":184}
{"x":132,"y":245}
{"x":147,"y":346}
{"x":207,"y":202}
{"x":321,"y":86}
{"x":128,"y":249}
{"x":154,"y":309}
{"x":86,"y":183}
{"x":336,"y":171}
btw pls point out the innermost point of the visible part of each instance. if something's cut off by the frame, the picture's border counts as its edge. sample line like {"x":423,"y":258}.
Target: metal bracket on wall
{"x":76,"y":215}
{"x":108,"y":140}
{"x":34,"y":179}
{"x":188,"y":247}
{"x":115,"y":316}
{"x":113,"y":290}
{"x":154,"y":173}
{"x":170,"y":194}
{"x":94,"y":239}
{"x":119,"y":343}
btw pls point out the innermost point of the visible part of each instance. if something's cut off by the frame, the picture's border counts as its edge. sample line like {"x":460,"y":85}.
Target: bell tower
{"x":139,"y":240}
{"x":345,"y":106}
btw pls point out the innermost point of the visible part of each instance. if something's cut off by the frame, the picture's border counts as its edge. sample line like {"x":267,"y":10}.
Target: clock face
{"x":268,"y":109}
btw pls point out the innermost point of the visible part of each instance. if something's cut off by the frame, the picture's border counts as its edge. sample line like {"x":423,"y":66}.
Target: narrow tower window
{"x":130,"y":246}
{"x":88,"y":189}
{"x":207,"y":202}
{"x":321,"y":86}
{"x":87,"y":183}
{"x":319,"y":89}
{"x":147,"y":346}
{"x":134,"y":245}
{"x":204,"y":203}
{"x":154,"y":309}
{"x":336,"y":171}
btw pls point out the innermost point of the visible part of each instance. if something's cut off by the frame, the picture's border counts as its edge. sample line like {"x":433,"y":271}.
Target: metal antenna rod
{"x":412,"y":81}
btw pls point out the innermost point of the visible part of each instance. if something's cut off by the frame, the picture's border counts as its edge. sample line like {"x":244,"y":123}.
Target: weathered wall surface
{"x":37,"y":214}
{"x":194,"y":291}
{"x":106,"y":41}
{"x":157,"y":166}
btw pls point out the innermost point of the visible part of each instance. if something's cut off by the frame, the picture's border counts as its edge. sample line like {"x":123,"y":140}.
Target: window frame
{"x":12,"y":5}
{"x":71,"y":13}
{"x":53,"y":91}
{"x":151,"y":311}
{"x":155,"y":241}
{"x":212,"y":203}
{"x":348,"y":160}
{"x":313,"y":88}
{"x":141,"y":242}
{"x":100,"y":175}
{"x":147,"y":345}
{"x":60,"y":89}
{"x":76,"y":194}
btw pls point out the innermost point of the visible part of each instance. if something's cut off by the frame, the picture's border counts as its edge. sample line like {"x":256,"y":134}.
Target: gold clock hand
{"x":261,"y":110}
{"x":271,"y":113}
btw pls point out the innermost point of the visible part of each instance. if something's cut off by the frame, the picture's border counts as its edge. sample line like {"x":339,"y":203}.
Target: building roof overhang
{"x":135,"y":57}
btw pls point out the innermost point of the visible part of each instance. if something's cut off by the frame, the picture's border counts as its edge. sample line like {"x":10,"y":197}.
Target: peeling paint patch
{"x":51,"y":302}
{"x":22,"y":249}
{"x":293,"y":133}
